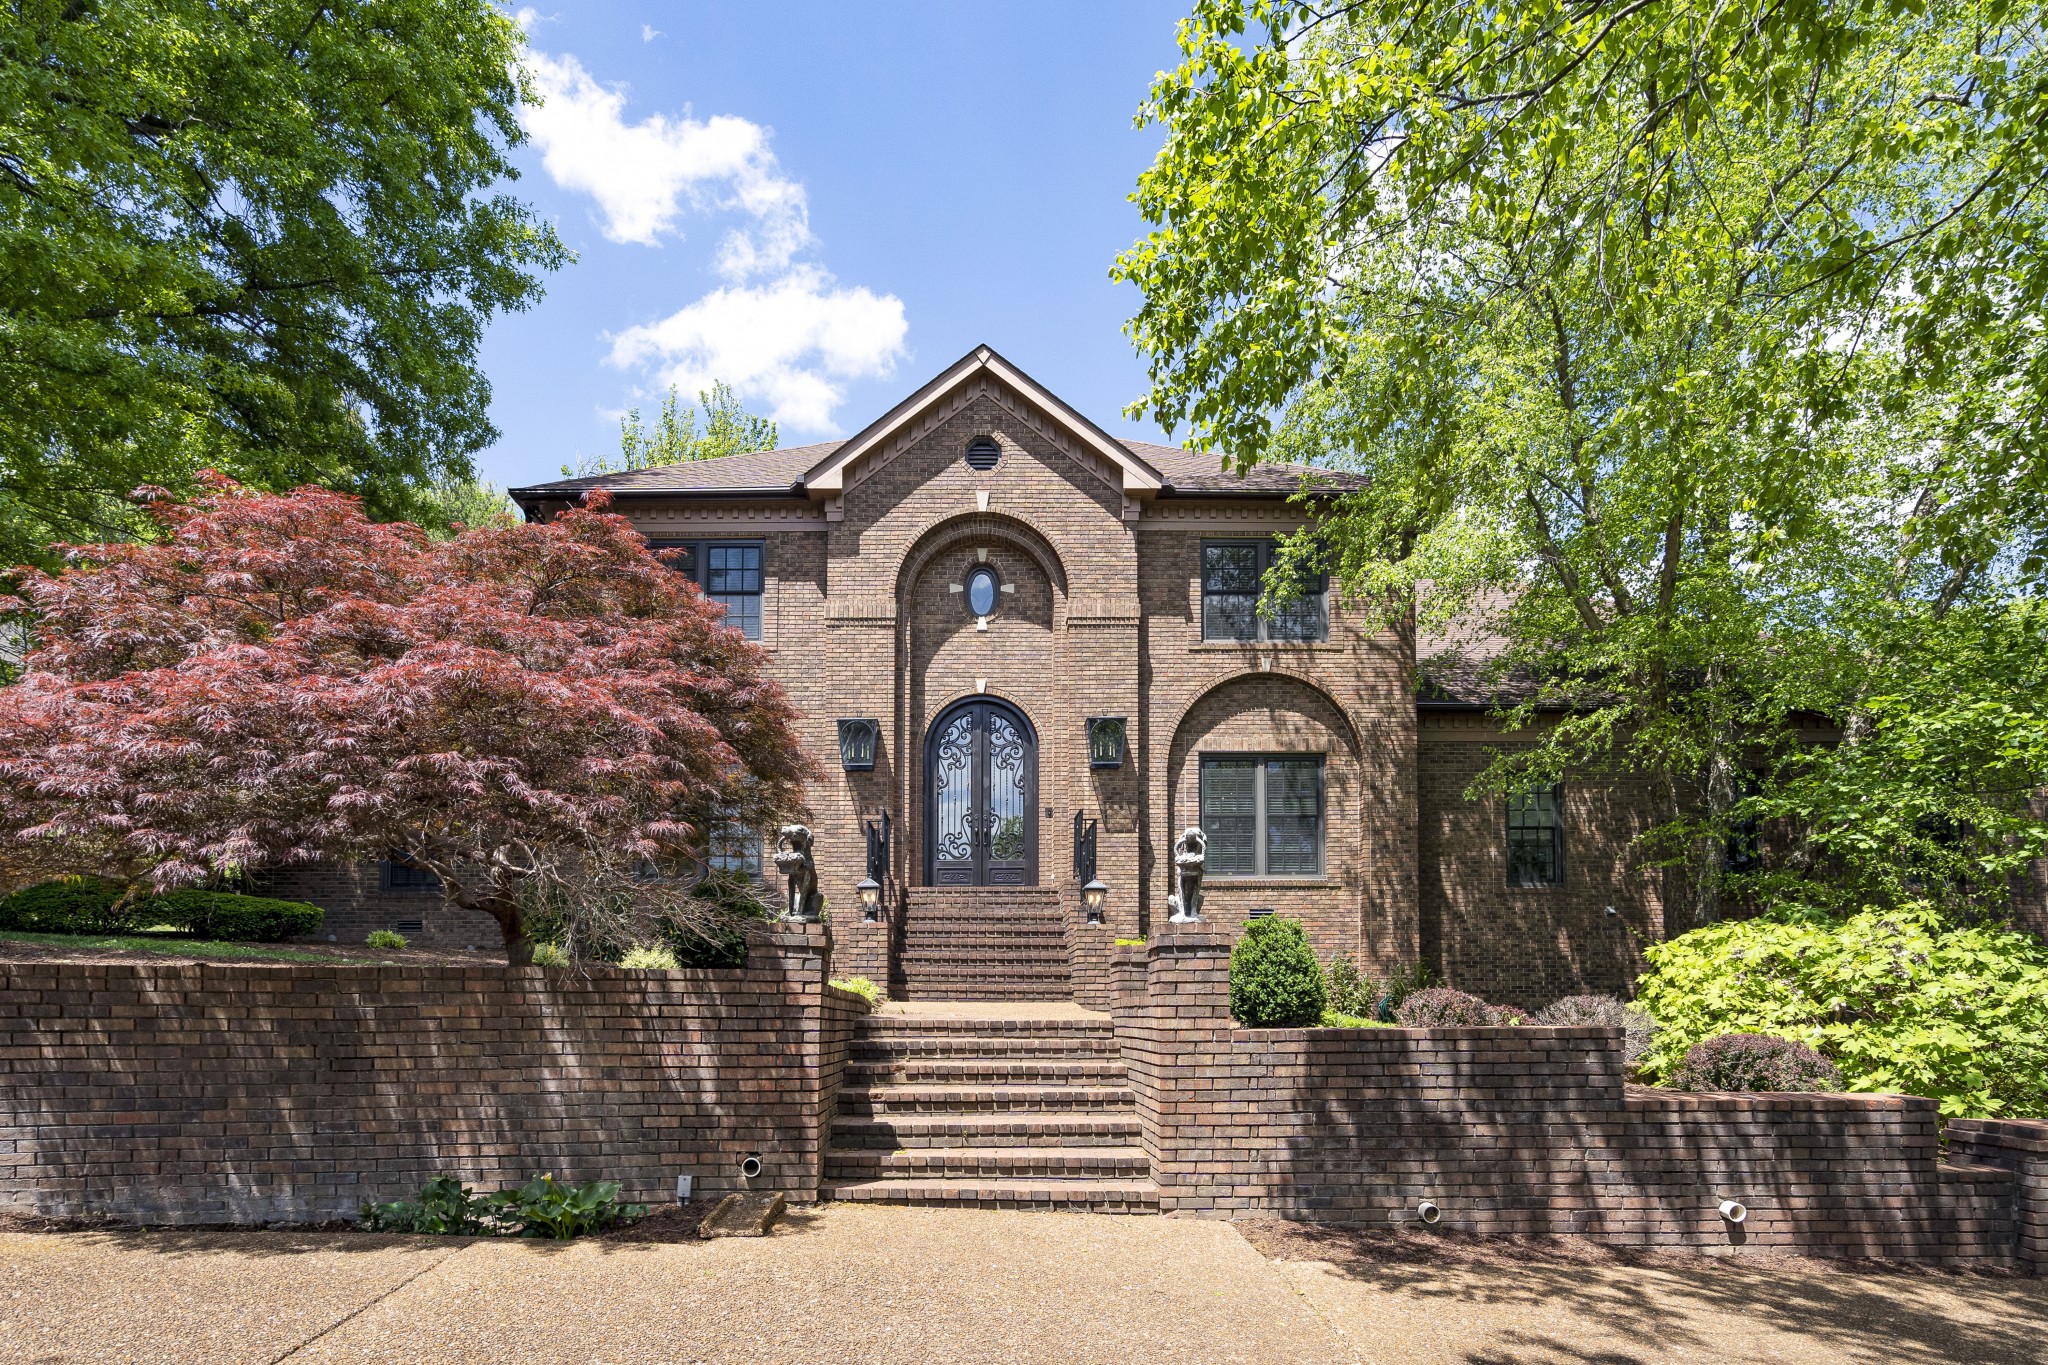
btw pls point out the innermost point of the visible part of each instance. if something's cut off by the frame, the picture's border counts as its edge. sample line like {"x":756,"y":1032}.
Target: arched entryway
{"x":981,"y":796}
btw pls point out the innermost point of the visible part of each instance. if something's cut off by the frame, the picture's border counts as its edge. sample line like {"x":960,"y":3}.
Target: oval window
{"x":981,"y":591}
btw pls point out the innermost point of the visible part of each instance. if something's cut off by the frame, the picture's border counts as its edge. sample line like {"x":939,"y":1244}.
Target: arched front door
{"x":981,"y":791}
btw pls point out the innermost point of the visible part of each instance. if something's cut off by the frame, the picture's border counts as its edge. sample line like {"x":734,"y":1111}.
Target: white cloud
{"x":646,"y":176}
{"x":791,"y":344}
{"x":648,"y":33}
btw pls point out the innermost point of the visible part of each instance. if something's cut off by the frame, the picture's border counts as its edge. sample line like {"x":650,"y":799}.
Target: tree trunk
{"x":512,"y":924}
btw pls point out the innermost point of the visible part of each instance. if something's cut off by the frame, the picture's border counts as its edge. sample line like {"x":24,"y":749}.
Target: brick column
{"x":2020,"y":1146}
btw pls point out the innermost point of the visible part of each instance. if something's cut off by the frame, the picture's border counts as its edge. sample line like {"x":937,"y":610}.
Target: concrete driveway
{"x":862,"y":1283}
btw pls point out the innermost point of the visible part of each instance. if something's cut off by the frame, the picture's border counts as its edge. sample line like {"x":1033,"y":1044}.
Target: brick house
{"x":1006,"y":591}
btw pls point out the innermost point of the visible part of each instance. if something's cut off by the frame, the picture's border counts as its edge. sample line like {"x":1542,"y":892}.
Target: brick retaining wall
{"x":178,"y":1094}
{"x":1530,"y":1130}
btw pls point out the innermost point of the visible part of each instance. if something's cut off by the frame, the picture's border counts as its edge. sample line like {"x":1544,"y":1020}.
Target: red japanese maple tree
{"x":538,"y":713}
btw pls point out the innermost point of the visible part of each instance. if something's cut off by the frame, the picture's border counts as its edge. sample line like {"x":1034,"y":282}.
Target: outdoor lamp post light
{"x":858,"y":740}
{"x":1093,"y":897}
{"x":870,"y":893}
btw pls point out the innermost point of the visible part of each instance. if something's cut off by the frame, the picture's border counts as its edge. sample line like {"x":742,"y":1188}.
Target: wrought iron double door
{"x":981,"y":792}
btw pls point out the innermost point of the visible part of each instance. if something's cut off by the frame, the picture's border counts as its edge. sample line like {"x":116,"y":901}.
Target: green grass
{"x":174,"y":947}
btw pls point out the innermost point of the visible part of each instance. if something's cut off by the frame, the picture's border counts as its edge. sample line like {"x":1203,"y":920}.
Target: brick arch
{"x":1346,"y":728}
{"x":994,"y":528}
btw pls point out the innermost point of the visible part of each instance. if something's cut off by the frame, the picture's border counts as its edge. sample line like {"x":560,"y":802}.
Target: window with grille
{"x":396,"y":875}
{"x":1263,"y":814}
{"x":730,"y":572}
{"x":1232,"y":572}
{"x":735,"y":848}
{"x":1536,"y":838}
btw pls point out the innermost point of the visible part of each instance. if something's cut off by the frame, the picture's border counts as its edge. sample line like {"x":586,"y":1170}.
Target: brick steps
{"x":1094,"y":1196}
{"x":992,"y":1113}
{"x":982,"y":943}
{"x":999,"y":1071}
{"x":869,"y":1101}
{"x":1007,"y":1131}
{"x":987,"y":1048}
{"x":981,"y":1163}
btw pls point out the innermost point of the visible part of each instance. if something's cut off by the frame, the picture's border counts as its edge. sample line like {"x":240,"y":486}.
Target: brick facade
{"x":181,"y":1094}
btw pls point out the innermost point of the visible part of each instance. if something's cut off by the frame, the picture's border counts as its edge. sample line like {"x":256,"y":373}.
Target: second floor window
{"x":1233,"y":573}
{"x":728,"y":571}
{"x":1536,"y":837}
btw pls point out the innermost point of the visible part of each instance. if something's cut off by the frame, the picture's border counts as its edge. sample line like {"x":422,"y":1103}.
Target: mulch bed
{"x":1280,"y":1240}
{"x":664,"y":1223}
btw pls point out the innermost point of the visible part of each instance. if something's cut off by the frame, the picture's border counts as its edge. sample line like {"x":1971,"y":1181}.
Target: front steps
{"x":982,"y":943}
{"x":988,"y":1113}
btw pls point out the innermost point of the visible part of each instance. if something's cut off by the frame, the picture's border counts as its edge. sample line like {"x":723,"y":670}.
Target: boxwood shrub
{"x":71,"y":905}
{"x":1275,"y":980}
{"x":237,"y":918}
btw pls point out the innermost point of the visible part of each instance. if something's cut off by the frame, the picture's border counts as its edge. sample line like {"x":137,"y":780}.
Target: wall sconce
{"x":1093,"y":897}
{"x":858,"y":740}
{"x":1105,"y":741}
{"x":869,"y":892}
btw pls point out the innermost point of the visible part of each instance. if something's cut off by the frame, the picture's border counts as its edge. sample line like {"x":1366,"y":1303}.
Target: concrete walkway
{"x":850,"y":1283}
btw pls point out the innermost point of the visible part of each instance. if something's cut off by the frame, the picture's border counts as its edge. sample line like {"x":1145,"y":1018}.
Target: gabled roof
{"x":820,"y":471}
{"x":828,"y":476}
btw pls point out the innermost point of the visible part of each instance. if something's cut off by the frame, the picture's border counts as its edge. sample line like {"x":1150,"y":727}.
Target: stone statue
{"x":1190,"y":851}
{"x":793,"y":860}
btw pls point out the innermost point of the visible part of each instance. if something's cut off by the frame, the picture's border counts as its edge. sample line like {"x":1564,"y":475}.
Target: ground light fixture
{"x":1093,"y":897}
{"x":869,"y":892}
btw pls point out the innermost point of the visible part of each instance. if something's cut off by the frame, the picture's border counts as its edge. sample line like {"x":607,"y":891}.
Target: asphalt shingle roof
{"x":1186,"y":472}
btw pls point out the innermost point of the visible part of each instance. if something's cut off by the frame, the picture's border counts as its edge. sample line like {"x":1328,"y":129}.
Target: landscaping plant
{"x":445,"y":1208}
{"x":388,"y":939}
{"x":541,"y":1207}
{"x":69,"y":905}
{"x":1638,"y":1029}
{"x":544,"y":1208}
{"x":1902,"y":1000}
{"x":229,"y":917}
{"x":649,"y":959}
{"x":537,"y":715}
{"x":862,"y":987}
{"x":1753,"y":1061}
{"x":1442,"y":1007}
{"x":1275,"y":980}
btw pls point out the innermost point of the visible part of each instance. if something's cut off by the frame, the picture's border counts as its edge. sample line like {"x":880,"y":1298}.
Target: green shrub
{"x":549,"y":955}
{"x":1754,"y":1061}
{"x":539,"y":1208}
{"x":70,"y":905}
{"x":543,"y":1208}
{"x":389,"y":939}
{"x":235,"y":918}
{"x":1442,"y":1007}
{"x":649,"y":959}
{"x":1350,"y":990}
{"x":1275,"y":980}
{"x":1901,"y":1000}
{"x":445,"y":1208}
{"x":1638,"y":1029}
{"x":1339,"y":1019}
{"x":862,"y":987}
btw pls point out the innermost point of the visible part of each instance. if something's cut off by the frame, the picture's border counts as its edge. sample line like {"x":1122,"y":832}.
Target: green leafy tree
{"x":1665,"y":334}
{"x":729,"y":429}
{"x":262,"y":240}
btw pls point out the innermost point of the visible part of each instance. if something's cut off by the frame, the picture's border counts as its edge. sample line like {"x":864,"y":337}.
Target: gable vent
{"x":982,"y":454}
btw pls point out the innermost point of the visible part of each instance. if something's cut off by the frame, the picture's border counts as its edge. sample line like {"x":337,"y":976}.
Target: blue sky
{"x":824,"y":204}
